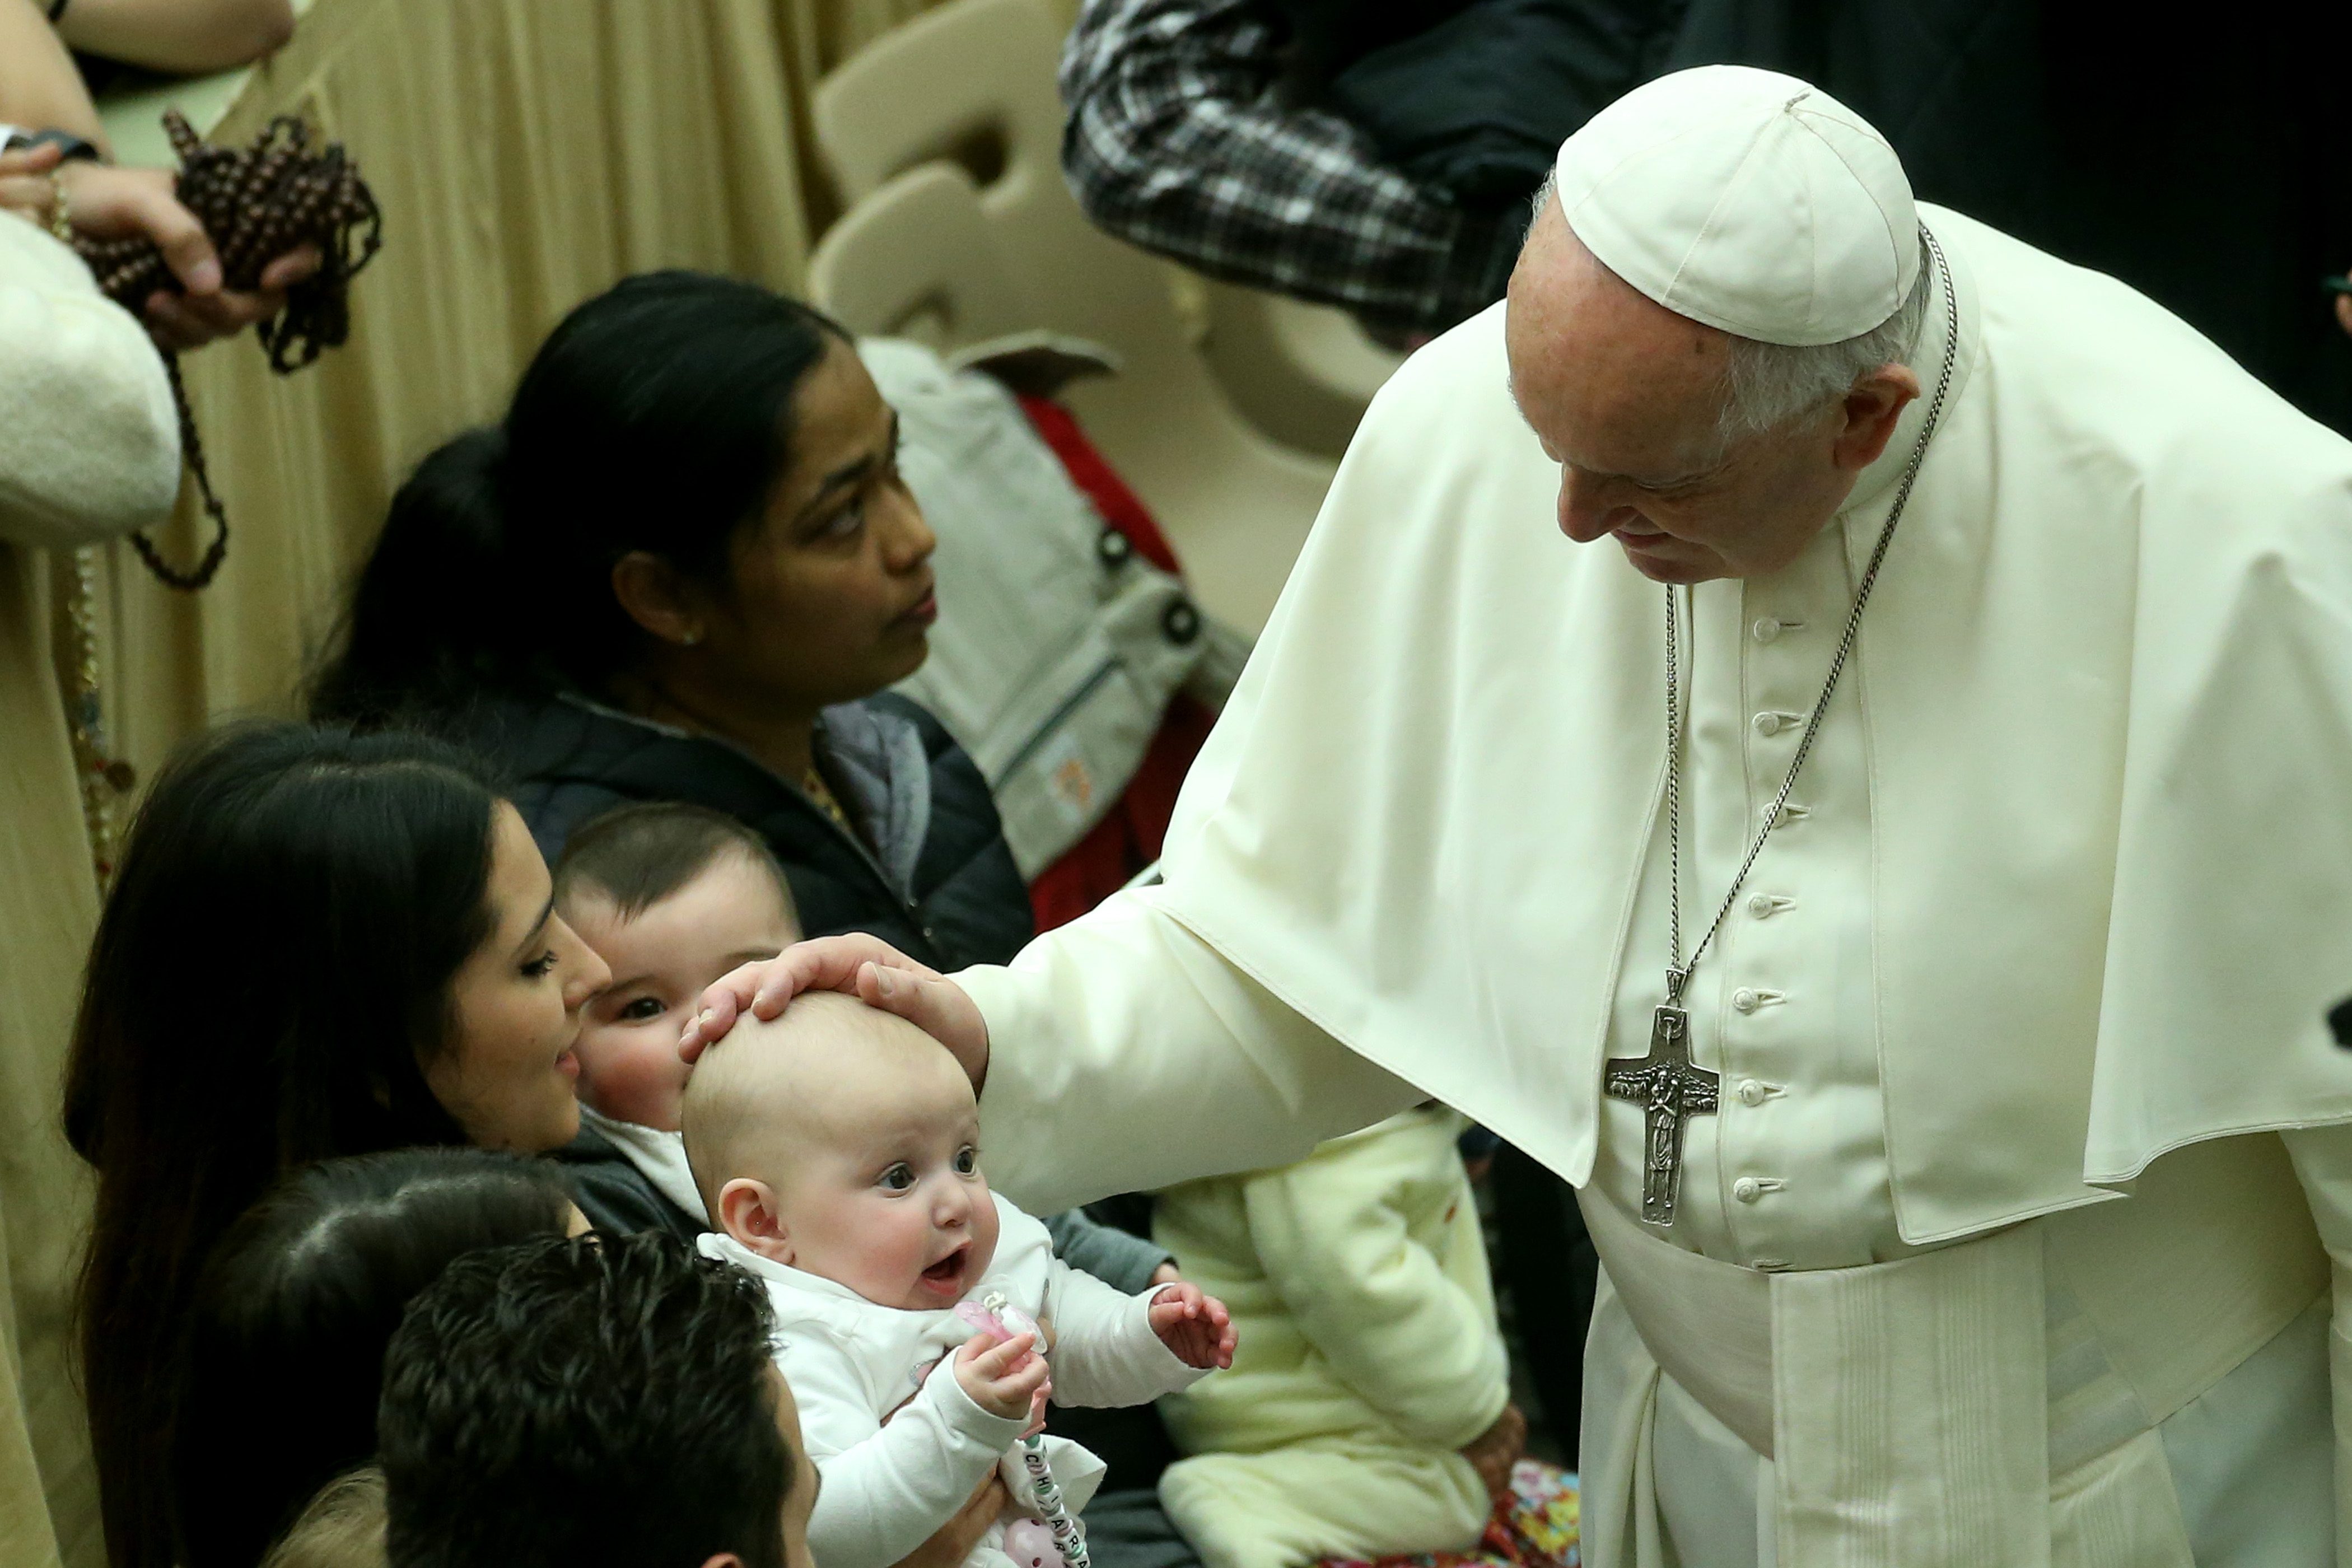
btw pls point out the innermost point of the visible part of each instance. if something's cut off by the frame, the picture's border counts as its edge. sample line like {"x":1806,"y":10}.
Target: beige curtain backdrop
{"x":526,"y":154}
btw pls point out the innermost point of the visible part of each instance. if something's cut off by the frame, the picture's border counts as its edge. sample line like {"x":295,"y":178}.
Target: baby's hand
{"x":1004,"y":1378}
{"x":1197,"y":1328}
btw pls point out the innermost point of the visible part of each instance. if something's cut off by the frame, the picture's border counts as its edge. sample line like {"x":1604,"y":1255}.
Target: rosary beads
{"x":256,"y":205}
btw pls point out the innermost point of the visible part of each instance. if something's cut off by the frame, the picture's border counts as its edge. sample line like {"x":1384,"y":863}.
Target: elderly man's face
{"x":1626,"y":396}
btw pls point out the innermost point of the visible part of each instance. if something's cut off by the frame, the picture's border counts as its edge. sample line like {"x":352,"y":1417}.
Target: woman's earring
{"x":689,"y":639}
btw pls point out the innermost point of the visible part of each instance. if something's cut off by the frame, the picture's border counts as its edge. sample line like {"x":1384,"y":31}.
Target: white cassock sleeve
{"x":2323,"y":1160}
{"x":884,"y":1487}
{"x":1105,"y":1352}
{"x":1126,"y":1053}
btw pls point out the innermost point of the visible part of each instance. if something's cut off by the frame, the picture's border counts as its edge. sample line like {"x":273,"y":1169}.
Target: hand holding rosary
{"x":254,"y":205}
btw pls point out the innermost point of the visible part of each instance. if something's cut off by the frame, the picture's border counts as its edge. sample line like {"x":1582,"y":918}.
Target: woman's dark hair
{"x":633,"y":1373}
{"x":656,"y":417}
{"x":285,"y":1357}
{"x":272,"y":966}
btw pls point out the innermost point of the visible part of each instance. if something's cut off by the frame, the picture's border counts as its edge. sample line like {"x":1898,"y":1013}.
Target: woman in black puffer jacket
{"x":684,"y":567}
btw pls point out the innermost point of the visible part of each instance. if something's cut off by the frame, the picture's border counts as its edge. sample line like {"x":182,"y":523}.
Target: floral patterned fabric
{"x":1538,"y":1528}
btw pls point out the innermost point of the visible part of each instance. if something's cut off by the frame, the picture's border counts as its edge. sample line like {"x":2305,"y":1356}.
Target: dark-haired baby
{"x":671,"y":896}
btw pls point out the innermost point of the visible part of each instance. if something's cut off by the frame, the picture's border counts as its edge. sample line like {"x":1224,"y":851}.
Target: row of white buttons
{"x":1763,"y":906}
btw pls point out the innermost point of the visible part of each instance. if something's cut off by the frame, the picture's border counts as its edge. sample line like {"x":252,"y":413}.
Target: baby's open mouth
{"x":947,"y":1270}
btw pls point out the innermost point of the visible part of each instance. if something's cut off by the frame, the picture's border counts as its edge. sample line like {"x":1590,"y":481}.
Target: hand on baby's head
{"x":844,"y":1140}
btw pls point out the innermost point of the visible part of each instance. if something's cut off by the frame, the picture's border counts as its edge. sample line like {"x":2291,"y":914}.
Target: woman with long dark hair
{"x":284,"y":1356}
{"x":684,"y":566}
{"x":318,"y":944}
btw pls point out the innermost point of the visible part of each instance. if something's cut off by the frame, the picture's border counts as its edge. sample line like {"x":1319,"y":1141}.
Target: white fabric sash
{"x":1925,"y":1411}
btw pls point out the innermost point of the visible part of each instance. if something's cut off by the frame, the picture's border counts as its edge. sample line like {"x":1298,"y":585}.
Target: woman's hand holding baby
{"x":953,"y":1542}
{"x":1195,"y":1327}
{"x":867,"y":967}
{"x":1004,"y":1378}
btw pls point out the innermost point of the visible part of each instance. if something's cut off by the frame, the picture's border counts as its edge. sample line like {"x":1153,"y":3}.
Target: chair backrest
{"x":972,"y":82}
{"x":918,"y":259}
{"x":1303,"y":374}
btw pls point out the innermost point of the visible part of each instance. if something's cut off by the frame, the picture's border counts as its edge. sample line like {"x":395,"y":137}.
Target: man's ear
{"x":724,"y":1560}
{"x":748,"y":1212}
{"x":1872,"y":407}
{"x":652,"y":593}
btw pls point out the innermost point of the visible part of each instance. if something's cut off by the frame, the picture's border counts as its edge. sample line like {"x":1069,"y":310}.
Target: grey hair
{"x":1543,"y":195}
{"x":1769,"y":385}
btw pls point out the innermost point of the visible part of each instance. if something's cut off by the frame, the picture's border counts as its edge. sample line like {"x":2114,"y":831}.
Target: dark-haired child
{"x":519,"y":1429}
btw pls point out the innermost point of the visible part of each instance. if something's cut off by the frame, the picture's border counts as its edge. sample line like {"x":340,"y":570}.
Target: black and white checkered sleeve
{"x":1174,"y":143}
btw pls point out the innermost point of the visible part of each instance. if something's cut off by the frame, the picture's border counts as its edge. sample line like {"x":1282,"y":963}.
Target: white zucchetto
{"x":1747,"y":200}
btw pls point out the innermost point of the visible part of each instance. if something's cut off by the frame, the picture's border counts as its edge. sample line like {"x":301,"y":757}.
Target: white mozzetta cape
{"x":2107,"y":689}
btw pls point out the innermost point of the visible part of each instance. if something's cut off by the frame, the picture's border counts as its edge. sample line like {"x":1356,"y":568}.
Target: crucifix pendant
{"x":1669,"y":1089}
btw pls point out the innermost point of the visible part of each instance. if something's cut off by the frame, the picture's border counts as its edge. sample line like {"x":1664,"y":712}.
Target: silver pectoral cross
{"x":1669,"y":1089}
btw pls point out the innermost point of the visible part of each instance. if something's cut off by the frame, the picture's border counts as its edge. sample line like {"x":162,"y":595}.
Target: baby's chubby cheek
{"x":634,"y":1074}
{"x":983,"y":1234}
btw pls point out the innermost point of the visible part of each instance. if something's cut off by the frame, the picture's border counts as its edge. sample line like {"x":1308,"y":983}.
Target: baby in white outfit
{"x":838,"y":1149}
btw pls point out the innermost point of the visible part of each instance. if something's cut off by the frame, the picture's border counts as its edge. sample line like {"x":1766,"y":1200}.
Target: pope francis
{"x":1894,"y":856}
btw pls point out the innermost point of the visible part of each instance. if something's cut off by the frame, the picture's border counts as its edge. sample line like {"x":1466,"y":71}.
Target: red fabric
{"x":1121,"y":507}
{"x":1130,"y":833}
{"x":1129,"y":836}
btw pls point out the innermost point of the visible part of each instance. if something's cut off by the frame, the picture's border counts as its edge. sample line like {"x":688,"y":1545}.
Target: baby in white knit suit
{"x":837,"y":1148}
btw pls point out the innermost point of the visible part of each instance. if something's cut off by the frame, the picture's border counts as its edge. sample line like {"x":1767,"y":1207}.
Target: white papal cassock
{"x":2001,"y":1249}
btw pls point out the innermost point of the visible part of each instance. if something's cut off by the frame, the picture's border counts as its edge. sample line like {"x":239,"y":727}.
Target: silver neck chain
{"x":1678,"y":971}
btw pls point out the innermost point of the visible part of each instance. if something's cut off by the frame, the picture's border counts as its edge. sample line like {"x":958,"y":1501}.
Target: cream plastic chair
{"x":972,"y":83}
{"x":1300,"y":373}
{"x":918,"y":259}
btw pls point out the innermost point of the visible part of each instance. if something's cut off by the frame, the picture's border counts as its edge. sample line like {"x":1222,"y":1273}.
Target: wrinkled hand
{"x":1196,"y":1328}
{"x":117,"y":204}
{"x":871,"y":969}
{"x":1493,"y":1452}
{"x":1004,"y":1377}
{"x":25,"y":186}
{"x":953,"y":1542}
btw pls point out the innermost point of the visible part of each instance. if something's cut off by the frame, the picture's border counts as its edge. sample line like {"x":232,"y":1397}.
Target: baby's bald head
{"x":828,"y":1075}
